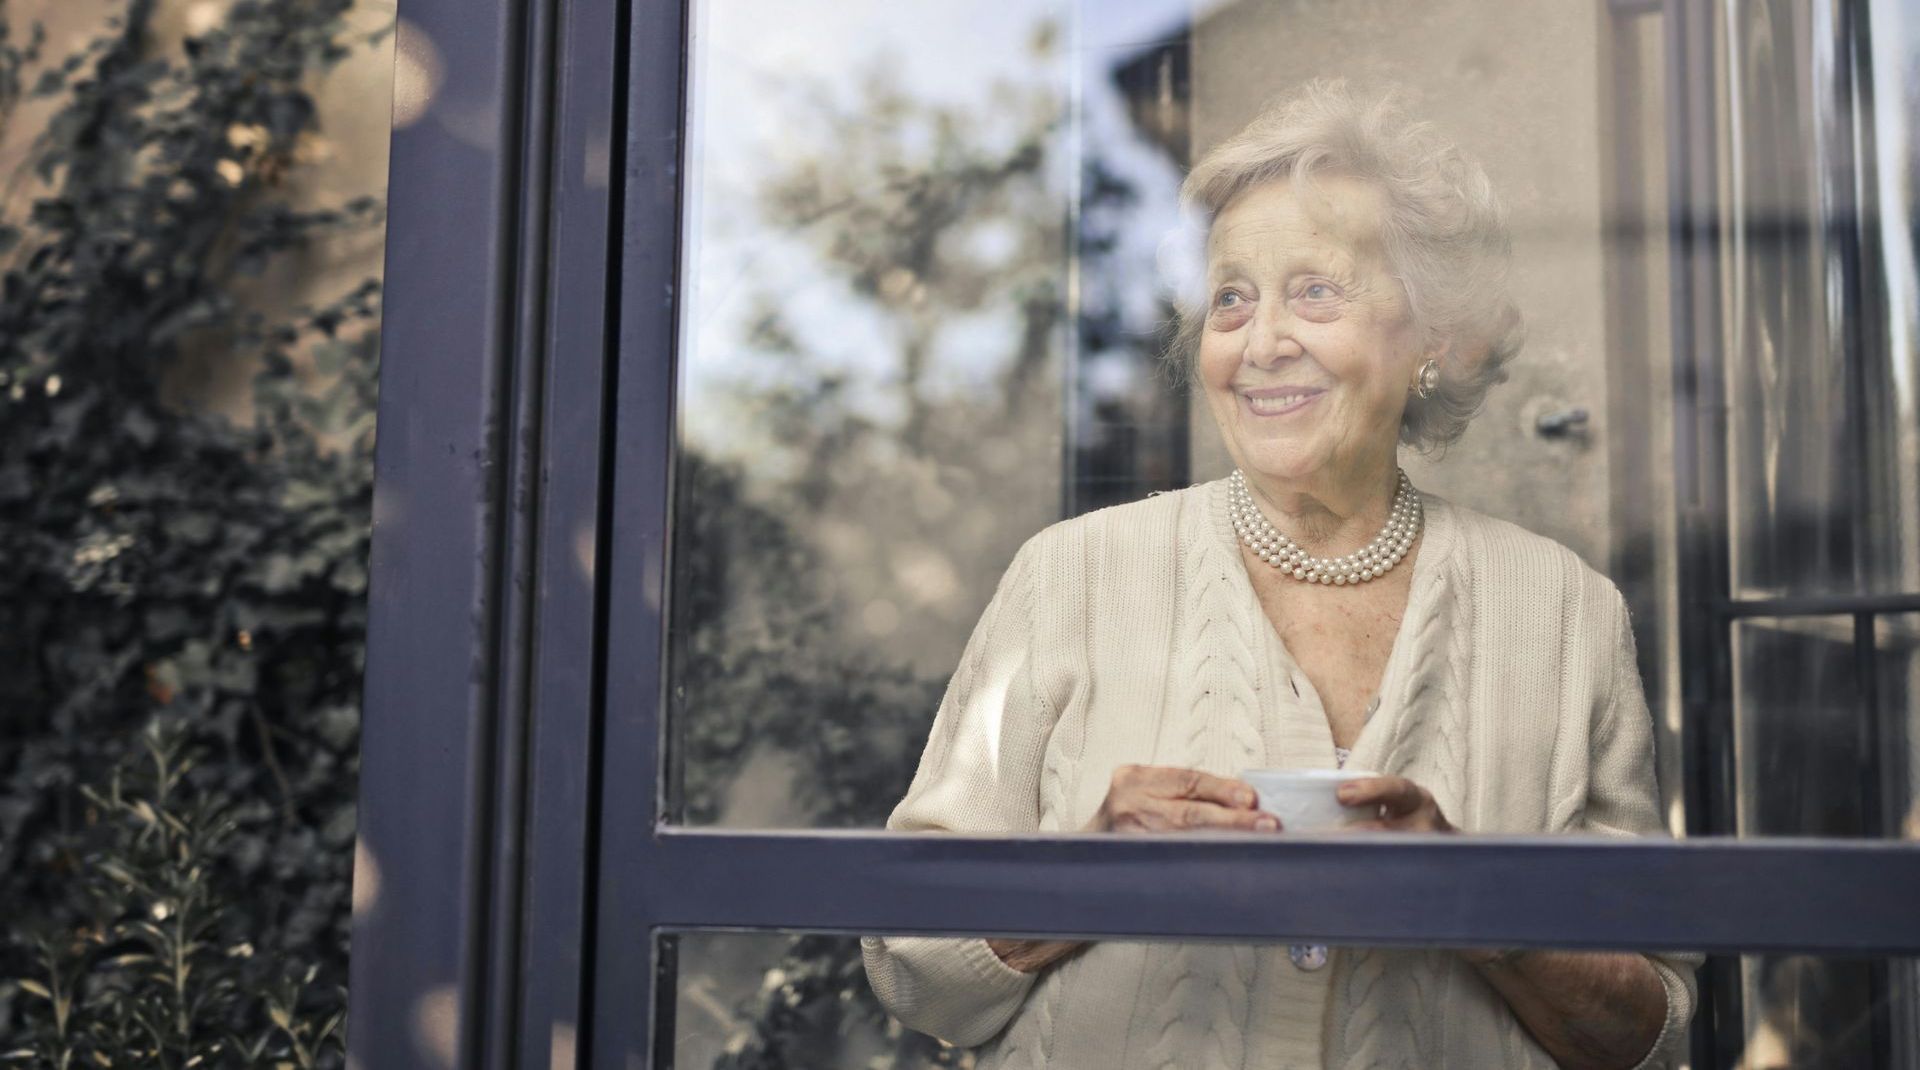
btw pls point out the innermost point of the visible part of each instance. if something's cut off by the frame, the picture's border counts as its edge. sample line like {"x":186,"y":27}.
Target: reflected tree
{"x":930,"y":214}
{"x":842,"y":518}
{"x":810,"y":505}
{"x":756,"y":665}
{"x":753,"y":646}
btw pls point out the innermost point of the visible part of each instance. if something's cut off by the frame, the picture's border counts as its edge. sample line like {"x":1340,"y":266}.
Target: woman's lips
{"x":1279,"y":401}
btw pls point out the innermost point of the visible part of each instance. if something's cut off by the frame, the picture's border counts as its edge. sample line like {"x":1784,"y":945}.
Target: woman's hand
{"x":1147,"y":798}
{"x":1403,"y":805}
{"x":1158,"y":798}
{"x":1588,"y":1009}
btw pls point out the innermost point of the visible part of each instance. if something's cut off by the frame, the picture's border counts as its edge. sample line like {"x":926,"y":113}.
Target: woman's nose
{"x":1270,"y":337}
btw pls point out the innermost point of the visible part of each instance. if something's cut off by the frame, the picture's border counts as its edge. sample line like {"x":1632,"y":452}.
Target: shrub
{"x":168,"y":567}
{"x":156,"y":973}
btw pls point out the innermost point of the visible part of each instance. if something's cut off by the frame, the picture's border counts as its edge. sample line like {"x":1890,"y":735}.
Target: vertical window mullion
{"x":621,"y":973}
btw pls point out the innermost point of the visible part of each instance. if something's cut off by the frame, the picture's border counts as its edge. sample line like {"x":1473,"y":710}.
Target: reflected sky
{"x":761,"y":102}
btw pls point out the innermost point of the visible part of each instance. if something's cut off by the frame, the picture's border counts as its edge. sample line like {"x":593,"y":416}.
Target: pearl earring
{"x":1426,"y":382}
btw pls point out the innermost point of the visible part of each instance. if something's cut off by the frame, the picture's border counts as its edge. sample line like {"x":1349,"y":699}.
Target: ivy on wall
{"x":182,"y":607}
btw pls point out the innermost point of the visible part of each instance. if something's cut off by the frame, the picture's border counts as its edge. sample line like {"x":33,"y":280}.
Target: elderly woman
{"x":1312,"y":608}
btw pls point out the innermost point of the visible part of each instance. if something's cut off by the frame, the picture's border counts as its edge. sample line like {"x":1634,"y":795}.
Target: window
{"x":925,"y":311}
{"x":891,"y":292}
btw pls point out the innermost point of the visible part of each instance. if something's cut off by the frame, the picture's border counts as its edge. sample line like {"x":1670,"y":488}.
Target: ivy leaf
{"x":350,"y":576}
{"x":195,"y":528}
{"x":14,"y":482}
{"x":167,"y":622}
{"x":140,"y":427}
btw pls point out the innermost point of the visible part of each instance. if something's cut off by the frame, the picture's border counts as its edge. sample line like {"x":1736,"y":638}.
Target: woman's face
{"x":1308,"y":348}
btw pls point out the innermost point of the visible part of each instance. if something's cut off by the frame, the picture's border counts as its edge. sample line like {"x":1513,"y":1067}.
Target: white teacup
{"x":1303,"y":799}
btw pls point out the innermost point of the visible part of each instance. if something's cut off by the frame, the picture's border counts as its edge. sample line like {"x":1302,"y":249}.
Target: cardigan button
{"x":1308,"y":957}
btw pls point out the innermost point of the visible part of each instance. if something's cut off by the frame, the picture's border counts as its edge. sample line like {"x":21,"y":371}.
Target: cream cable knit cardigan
{"x":1132,"y":635}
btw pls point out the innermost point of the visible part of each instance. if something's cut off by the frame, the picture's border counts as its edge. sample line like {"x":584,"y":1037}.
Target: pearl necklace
{"x":1363,"y":565}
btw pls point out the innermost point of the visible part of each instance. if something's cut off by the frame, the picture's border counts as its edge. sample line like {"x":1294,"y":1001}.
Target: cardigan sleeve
{"x":979,"y":774}
{"x":1623,"y":799}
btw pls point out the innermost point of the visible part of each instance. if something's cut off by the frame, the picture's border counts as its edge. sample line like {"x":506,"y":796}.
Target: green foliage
{"x":169,"y":564}
{"x":156,"y":973}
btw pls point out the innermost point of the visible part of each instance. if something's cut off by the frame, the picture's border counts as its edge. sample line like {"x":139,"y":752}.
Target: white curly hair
{"x":1445,"y":234}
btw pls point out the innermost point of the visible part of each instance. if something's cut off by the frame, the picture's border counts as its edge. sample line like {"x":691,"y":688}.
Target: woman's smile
{"x":1275,"y":401}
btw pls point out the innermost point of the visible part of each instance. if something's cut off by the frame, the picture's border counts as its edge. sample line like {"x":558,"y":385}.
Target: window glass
{"x":875,"y":327}
{"x":1820,"y":378}
{"x":784,"y":999}
{"x":934,"y":267}
{"x":1806,"y":1010}
{"x":1895,"y":724}
{"x":1812,"y":715}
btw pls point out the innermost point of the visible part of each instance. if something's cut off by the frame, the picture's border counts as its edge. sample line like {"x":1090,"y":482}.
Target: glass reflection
{"x":929,"y":302}
{"x":932,"y":274}
{"x":937,"y":264}
{"x":1798,"y":742}
{"x":1895,"y":725}
{"x":1822,"y":461}
{"x":1810,"y":1011}
{"x":878,"y":284}
{"x":765,"y":1000}
{"x":1826,"y":718}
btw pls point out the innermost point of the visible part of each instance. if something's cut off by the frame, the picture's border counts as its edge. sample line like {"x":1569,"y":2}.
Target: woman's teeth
{"x":1269,"y":405}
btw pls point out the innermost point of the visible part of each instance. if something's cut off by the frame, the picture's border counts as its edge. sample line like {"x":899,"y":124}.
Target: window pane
{"x":1799,"y":728}
{"x":1896,"y":725}
{"x":934,"y":260}
{"x":932,"y":255}
{"x":779,"y":999}
{"x":1804,"y":1010}
{"x":873,"y":395}
{"x":1643,"y":558}
{"x":1825,"y":748}
{"x":1821,"y":363}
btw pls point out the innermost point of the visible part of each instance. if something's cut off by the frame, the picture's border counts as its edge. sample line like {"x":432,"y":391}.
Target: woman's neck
{"x":1329,"y":516}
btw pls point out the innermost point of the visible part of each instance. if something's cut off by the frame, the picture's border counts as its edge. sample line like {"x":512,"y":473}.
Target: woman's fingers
{"x":1187,"y":814}
{"x":1396,"y":795}
{"x":1218,"y":789}
{"x":1403,"y":805}
{"x":1179,"y":815}
{"x":1144,"y":798}
{"x":1169,"y":782}
{"x":1208,"y":815}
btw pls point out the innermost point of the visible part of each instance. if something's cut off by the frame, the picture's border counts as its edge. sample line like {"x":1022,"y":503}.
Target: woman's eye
{"x":1230,"y":310}
{"x":1318,"y":300}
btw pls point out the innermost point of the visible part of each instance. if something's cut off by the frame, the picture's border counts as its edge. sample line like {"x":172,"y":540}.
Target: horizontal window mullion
{"x":1803,"y":895}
